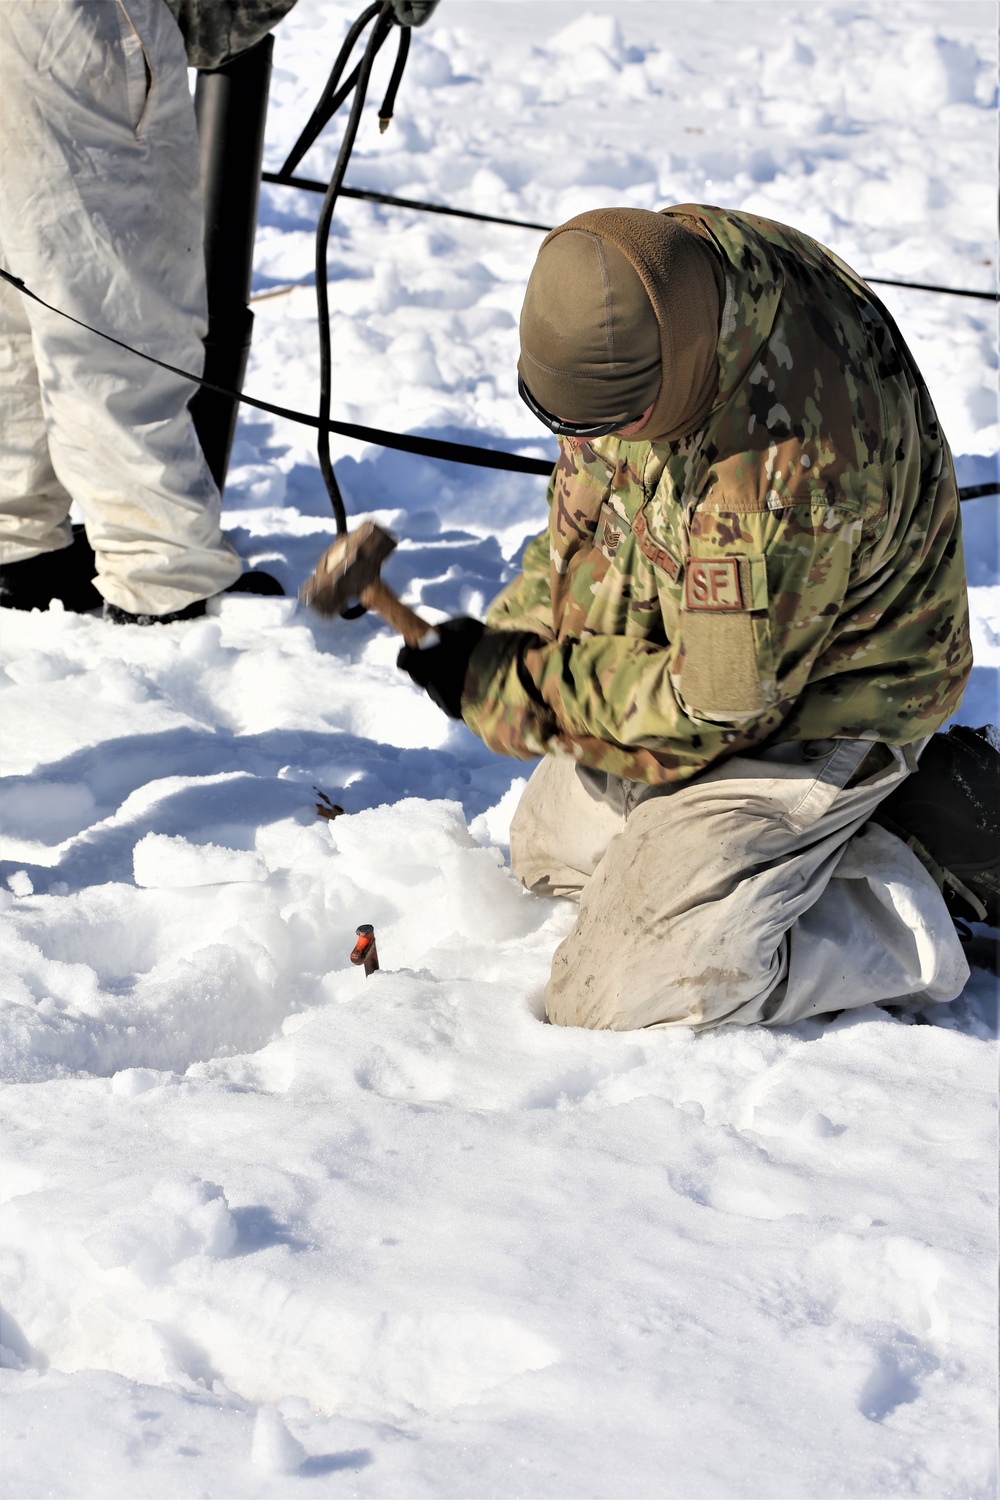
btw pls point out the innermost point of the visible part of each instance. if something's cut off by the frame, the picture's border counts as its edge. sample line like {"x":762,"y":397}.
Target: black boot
{"x":247,"y":583}
{"x":951,"y":807}
{"x":66,"y":575}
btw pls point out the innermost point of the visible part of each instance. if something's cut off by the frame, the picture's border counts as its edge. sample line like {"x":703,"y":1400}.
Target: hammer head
{"x":346,"y":568}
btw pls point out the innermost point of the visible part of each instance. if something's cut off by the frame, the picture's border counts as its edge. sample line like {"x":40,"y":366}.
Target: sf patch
{"x":713,"y":584}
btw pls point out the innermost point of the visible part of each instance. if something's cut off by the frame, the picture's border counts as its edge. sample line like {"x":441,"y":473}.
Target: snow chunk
{"x":157,"y":1229}
{"x":129,"y":1083}
{"x":261,"y":610}
{"x":273,"y":1448}
{"x":165,"y":861}
{"x":493,"y":825}
{"x":590,"y":33}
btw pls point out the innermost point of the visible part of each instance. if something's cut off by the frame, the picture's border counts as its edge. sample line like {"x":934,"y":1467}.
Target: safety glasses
{"x":572,"y":429}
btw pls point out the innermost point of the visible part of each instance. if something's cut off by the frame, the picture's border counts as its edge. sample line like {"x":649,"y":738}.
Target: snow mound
{"x":162,"y":862}
{"x":215,"y":947}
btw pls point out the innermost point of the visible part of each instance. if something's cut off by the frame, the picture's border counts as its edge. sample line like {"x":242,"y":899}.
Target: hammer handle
{"x":379,"y":597}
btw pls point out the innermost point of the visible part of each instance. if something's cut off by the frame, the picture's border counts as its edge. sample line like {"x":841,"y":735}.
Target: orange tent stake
{"x":365,"y":951}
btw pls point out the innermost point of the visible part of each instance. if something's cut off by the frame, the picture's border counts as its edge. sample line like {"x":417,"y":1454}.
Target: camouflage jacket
{"x":792,"y":571}
{"x":216,"y":30}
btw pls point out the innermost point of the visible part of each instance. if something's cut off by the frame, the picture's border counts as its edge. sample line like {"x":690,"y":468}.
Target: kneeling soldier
{"x":736,"y":637}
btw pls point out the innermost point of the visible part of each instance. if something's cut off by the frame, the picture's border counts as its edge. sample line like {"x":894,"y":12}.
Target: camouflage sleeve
{"x":652,"y":711}
{"x":526,"y":603}
{"x":215,"y":31}
{"x":609,"y":701}
{"x":724,"y":681}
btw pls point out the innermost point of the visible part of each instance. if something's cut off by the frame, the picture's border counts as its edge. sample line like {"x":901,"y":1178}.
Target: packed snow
{"x":273,"y":1228}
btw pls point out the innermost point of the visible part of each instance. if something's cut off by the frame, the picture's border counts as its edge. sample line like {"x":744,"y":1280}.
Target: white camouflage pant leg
{"x":34,"y":506}
{"x":759,"y":893}
{"x":100,"y":214}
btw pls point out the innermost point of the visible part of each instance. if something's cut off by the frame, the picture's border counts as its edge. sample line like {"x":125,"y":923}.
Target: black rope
{"x":436,"y":448}
{"x":458,"y":453}
{"x":309,"y":185}
{"x":926,"y":286}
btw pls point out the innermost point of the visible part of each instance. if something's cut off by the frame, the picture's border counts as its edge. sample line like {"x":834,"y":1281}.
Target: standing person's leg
{"x":41,"y":557}
{"x":34,"y":506}
{"x":101,"y":216}
{"x":752,"y":895}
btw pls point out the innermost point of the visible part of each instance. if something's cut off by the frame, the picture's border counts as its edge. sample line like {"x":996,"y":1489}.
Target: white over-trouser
{"x":757,"y":893}
{"x":100,"y":214}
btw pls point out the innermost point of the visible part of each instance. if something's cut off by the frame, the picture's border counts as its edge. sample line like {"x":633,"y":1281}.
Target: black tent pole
{"x":231,"y":108}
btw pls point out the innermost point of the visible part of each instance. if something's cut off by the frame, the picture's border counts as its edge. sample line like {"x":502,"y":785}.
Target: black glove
{"x":441,"y":669}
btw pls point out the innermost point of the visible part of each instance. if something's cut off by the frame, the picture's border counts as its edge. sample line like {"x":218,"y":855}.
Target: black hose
{"x":389,"y":102}
{"x":326,"y":106}
{"x":380,"y":31}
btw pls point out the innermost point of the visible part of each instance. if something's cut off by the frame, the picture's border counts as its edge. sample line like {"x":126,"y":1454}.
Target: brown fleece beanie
{"x":622,"y":310}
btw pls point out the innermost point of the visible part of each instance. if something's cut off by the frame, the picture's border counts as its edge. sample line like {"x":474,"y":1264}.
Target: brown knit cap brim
{"x":628,"y":282}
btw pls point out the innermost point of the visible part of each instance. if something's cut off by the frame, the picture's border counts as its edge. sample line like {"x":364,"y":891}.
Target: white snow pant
{"x":100,"y":214}
{"x":757,"y":893}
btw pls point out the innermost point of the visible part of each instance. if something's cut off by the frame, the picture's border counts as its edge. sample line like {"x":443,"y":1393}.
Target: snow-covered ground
{"x":275,"y":1229}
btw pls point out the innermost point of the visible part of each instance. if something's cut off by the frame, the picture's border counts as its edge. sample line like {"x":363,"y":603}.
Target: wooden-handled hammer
{"x":350,"y":569}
